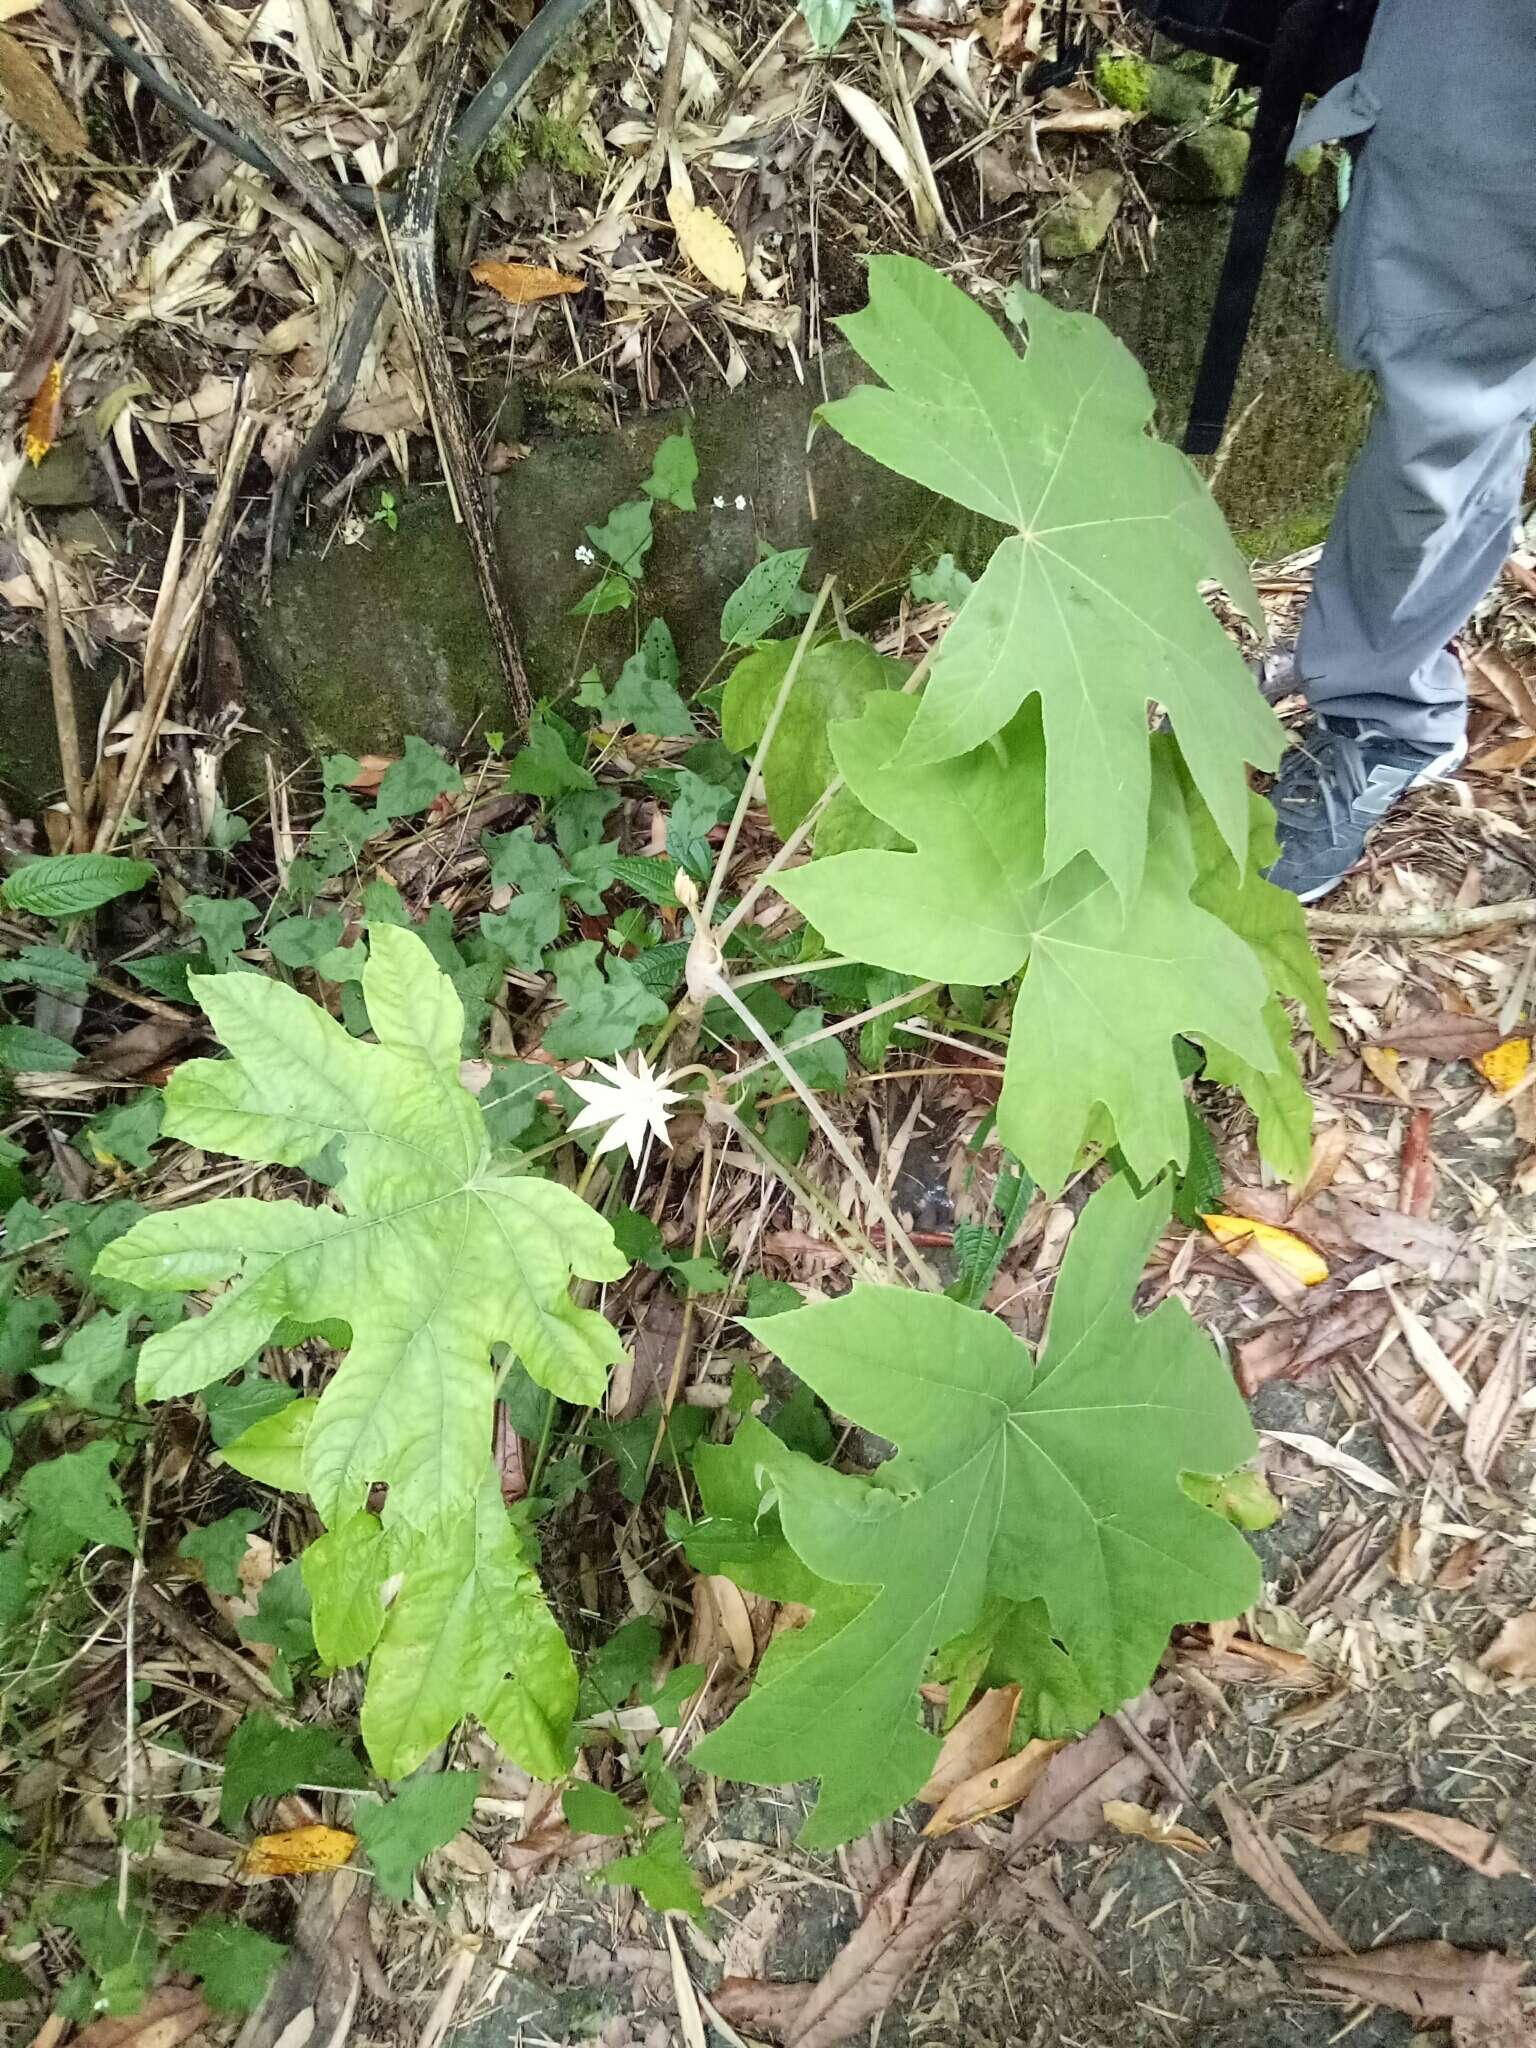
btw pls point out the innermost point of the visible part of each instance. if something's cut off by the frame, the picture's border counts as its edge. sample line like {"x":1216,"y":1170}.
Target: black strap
{"x":1288,"y":76}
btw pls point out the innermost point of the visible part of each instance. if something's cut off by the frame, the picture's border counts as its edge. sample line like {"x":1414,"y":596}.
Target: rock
{"x":1310,"y":161}
{"x":1158,"y":90}
{"x":65,"y":476}
{"x":1210,"y":163}
{"x":1078,"y":224}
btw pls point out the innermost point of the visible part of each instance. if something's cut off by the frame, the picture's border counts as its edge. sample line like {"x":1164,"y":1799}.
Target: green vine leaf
{"x":834,"y":680}
{"x":422,"y":1816}
{"x":235,"y":1963}
{"x":1107,"y":984}
{"x":660,"y":1872}
{"x":266,"y":1760}
{"x":1053,"y":1480}
{"x":1092,"y":601}
{"x":434,"y":1254}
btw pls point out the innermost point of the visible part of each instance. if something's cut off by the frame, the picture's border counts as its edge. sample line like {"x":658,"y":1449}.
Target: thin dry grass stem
{"x":836,"y":1030}
{"x":66,"y":726}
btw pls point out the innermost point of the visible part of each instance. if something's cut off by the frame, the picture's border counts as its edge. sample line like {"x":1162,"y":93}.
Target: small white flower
{"x":741,"y":504}
{"x":719,"y":504}
{"x":585,"y":556}
{"x":630,"y":1102}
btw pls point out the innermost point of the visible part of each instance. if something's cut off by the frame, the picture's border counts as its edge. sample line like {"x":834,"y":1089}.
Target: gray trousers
{"x":1434,"y":292}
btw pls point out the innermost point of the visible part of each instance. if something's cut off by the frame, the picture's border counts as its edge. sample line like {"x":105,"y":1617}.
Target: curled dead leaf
{"x":1291,"y":1253}
{"x":1473,"y":1846}
{"x":1426,"y":1980}
{"x":993,"y":1790}
{"x":1126,"y":1818}
{"x":296,"y":1852}
{"x":525,"y":284}
{"x":708,"y":243}
{"x":1259,"y":1857}
{"x":1512,"y":1653}
{"x":977,"y":1741}
{"x":44,"y":414}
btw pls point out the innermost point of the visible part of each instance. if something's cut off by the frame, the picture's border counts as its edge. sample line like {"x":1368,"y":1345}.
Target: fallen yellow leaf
{"x":708,"y":243}
{"x":1383,"y":1061}
{"x":992,"y":1790}
{"x":1294,"y":1254}
{"x":43,"y":415}
{"x":1126,"y":1818}
{"x":297,"y":1852}
{"x":524,"y":284}
{"x":1506,"y":1064}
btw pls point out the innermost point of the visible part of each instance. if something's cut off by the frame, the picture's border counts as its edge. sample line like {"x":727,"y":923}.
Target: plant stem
{"x":789,"y":967}
{"x":908,"y":995}
{"x":754,"y":781}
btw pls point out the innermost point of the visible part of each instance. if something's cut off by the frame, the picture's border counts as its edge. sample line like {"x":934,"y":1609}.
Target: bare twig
{"x":64,"y":722}
{"x":1420,"y":924}
{"x":241,"y":1678}
{"x":671,"y":92}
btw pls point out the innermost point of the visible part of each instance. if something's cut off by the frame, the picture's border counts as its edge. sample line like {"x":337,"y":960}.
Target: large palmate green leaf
{"x":1092,"y":601}
{"x":433,"y":1256}
{"x":1053,"y":1480}
{"x":1107,"y":985}
{"x":834,"y":678}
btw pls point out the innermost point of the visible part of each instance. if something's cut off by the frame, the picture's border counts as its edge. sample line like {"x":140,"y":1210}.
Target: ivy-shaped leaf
{"x":674,"y":472}
{"x":235,"y":1963}
{"x":1053,"y":1480}
{"x":660,"y":1872}
{"x":767,"y":595}
{"x":434,"y":1254}
{"x":607,"y":1006}
{"x":402,"y":1832}
{"x":1107,"y":985}
{"x":1093,"y":600}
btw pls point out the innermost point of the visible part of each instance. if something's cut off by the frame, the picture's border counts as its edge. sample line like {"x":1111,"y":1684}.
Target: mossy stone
{"x":1077,"y":225}
{"x":1210,"y":163}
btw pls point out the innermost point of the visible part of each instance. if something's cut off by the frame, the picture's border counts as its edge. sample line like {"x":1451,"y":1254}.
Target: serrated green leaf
{"x":834,"y":680}
{"x":93,"y":1363}
{"x":435,"y":1255}
{"x":1279,"y":1099}
{"x":116,"y":1941}
{"x":647,"y":875}
{"x":73,"y":1500}
{"x":660,"y":1872}
{"x":221,"y":923}
{"x":769,"y":594}
{"x":26,"y":1051}
{"x":1056,"y":1480}
{"x":267,"y":1760}
{"x":592,"y":1811}
{"x":469,"y":1632}
{"x":1093,"y":601}
{"x":1106,"y":986}
{"x":415,"y":781}
{"x":399,"y":1834}
{"x":129,"y":1133}
{"x":607,"y":1006}
{"x":69,"y":884}
{"x":53,"y":968}
{"x":1198,"y":1189}
{"x":220,"y":1548}
{"x":674,"y":472}
{"x":234,"y":1963}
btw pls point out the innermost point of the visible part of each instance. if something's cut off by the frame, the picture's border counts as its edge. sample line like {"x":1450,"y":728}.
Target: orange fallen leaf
{"x":1473,"y":1846}
{"x":1506,"y":1064}
{"x":1127,"y":1818}
{"x":1291,"y":1253}
{"x":993,"y":1790}
{"x":370,"y":771}
{"x":44,"y":414}
{"x":1512,"y":1653}
{"x":525,"y":284}
{"x":979,"y":1739}
{"x":297,"y":1852}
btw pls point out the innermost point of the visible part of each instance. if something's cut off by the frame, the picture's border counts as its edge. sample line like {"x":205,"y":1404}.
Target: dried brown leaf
{"x":1068,"y":1803}
{"x":1441,"y":1035}
{"x":977,"y":1741}
{"x":709,"y":245}
{"x":1512,"y":1653}
{"x":1475,"y":1847}
{"x":1126,"y":1818}
{"x":1242,"y":1661}
{"x":1496,"y":1404}
{"x":758,"y":2007}
{"x":1494,"y":678}
{"x":1426,"y":1980}
{"x":168,"y":2016}
{"x":993,"y":1790}
{"x":1422,"y":1246}
{"x":888,"y":1945}
{"x":32,"y":100}
{"x":525,"y":284}
{"x":1258,"y":1856}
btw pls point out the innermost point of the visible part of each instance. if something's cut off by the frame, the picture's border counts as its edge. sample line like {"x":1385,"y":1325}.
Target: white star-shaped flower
{"x":631,"y":1102}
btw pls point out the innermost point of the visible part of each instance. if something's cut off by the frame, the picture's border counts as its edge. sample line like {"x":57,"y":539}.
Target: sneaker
{"x":1333,"y":789}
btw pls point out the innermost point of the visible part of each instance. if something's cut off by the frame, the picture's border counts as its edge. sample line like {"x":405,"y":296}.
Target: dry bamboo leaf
{"x":1259,"y":1858}
{"x":1126,"y":1818}
{"x":525,"y":284}
{"x":1087,"y":121}
{"x":44,"y":414}
{"x":1426,"y":1980}
{"x":1498,"y":760}
{"x":1512,"y":1653}
{"x":1504,"y":1065}
{"x":1475,"y":1847}
{"x":1291,"y":1253}
{"x":296,"y":1852}
{"x":32,"y":100}
{"x":874,"y":125}
{"x":1496,"y":1404}
{"x":1431,"y":1359}
{"x":993,"y":1790}
{"x":977,"y":1741}
{"x":1321,"y":1452}
{"x":708,"y":243}
{"x":167,"y":2017}
{"x":884,"y":1950}
{"x":1495,"y":679}
{"x":1242,"y":1661}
